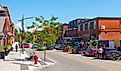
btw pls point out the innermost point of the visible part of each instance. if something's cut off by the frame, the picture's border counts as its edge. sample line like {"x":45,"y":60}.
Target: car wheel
{"x":74,"y":51}
{"x":104,"y":57}
{"x":84,"y":53}
{"x":114,"y":58}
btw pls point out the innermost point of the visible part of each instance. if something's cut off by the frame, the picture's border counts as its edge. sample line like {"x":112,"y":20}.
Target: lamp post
{"x":22,"y":25}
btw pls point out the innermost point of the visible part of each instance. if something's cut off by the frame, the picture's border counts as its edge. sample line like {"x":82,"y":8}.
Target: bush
{"x":68,"y":49}
{"x":7,"y":47}
{"x":1,"y":49}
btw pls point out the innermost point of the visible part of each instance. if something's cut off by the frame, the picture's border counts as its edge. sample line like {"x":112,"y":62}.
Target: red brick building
{"x":73,"y":27}
{"x":105,"y":29}
{"x":6,"y":27}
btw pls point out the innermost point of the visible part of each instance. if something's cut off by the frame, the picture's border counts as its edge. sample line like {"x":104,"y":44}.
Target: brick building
{"x":106,"y":30}
{"x":6,"y":27}
{"x":73,"y":27}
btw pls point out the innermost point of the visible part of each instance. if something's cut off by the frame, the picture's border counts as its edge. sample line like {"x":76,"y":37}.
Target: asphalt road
{"x":73,"y":62}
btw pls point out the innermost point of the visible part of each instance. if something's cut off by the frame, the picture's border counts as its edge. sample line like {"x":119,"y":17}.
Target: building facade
{"x":73,"y":27}
{"x":6,"y":27}
{"x":106,"y":30}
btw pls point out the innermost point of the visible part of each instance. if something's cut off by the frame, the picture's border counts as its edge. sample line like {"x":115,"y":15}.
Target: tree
{"x":94,"y":42}
{"x":51,"y":30}
{"x":17,"y":34}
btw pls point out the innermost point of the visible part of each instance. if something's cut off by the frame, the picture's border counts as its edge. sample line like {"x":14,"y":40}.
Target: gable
{"x":2,"y":22}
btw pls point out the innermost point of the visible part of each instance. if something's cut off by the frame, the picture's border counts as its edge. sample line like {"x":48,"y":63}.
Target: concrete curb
{"x":52,"y":63}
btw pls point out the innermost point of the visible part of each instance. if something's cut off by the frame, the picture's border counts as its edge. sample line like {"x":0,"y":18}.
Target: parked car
{"x":109,"y":53}
{"x":26,"y":45}
{"x":77,"y":49}
{"x":90,"y":52}
{"x":49,"y":47}
{"x":35,"y":46}
{"x":58,"y":46}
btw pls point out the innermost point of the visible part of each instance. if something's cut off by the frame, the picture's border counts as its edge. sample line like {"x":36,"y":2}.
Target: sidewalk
{"x":15,"y":61}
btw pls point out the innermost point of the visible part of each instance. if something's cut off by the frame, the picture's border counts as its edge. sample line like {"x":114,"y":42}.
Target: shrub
{"x":1,"y":49}
{"x":7,"y":48}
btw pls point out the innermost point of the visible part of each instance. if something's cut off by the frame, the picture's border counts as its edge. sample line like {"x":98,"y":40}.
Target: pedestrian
{"x":16,"y":47}
{"x":81,"y":44}
{"x":100,"y":52}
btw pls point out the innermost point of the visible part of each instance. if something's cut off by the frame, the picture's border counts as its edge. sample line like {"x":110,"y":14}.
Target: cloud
{"x":33,"y":29}
{"x":18,"y":25}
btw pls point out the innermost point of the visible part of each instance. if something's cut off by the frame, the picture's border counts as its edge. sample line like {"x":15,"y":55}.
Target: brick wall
{"x":112,"y":29}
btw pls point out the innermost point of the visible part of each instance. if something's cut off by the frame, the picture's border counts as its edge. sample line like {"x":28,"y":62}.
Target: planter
{"x":2,"y":55}
{"x":7,"y":52}
{"x":70,"y":50}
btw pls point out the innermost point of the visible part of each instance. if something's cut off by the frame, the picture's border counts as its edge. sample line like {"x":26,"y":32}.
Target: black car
{"x":110,"y":53}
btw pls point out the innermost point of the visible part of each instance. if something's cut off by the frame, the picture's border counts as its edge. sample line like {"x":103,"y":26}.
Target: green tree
{"x":94,"y":42}
{"x":51,"y":30}
{"x":17,"y":34}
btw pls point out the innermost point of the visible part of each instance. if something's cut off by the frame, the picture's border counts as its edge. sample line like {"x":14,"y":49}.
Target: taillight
{"x":94,"y":51}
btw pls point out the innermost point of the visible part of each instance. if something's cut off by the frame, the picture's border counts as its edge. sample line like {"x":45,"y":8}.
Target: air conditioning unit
{"x":102,"y":27}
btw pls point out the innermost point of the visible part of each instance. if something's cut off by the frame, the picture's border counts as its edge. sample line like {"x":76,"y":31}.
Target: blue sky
{"x":66,"y":10}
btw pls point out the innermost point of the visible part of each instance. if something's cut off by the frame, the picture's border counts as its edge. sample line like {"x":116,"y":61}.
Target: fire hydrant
{"x":35,"y":59}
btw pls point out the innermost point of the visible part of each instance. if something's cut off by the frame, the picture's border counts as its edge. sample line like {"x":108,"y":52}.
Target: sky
{"x":65,"y":10}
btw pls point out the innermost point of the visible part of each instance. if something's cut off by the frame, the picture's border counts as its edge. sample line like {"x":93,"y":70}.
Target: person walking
{"x":16,"y":47}
{"x":100,"y":51}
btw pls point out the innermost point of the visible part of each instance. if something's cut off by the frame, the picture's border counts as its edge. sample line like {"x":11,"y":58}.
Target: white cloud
{"x":33,"y":29}
{"x":18,"y":25}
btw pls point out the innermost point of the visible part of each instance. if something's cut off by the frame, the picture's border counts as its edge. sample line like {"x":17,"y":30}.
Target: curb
{"x":45,"y":66}
{"x":52,"y":63}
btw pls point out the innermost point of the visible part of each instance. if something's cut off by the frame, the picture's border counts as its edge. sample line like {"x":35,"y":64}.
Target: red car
{"x":26,"y":45}
{"x":90,"y":52}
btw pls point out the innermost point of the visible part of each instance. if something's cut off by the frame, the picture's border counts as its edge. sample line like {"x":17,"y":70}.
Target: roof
{"x":2,"y":22}
{"x":1,"y":8}
{"x":111,"y":18}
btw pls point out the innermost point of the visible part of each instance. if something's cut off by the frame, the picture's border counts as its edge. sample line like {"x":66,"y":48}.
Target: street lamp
{"x":22,"y":25}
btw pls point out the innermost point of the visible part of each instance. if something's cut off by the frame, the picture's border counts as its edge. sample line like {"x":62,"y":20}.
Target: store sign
{"x":102,"y":27}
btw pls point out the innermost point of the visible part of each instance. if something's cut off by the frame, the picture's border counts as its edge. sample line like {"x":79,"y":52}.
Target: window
{"x":86,"y":26}
{"x":91,"y":25}
{"x":81,"y":27}
{"x":78,"y":21}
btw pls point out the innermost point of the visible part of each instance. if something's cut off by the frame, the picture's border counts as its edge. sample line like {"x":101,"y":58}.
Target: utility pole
{"x":22,"y":25}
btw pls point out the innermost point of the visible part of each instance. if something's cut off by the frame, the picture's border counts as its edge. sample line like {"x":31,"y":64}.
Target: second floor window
{"x":86,"y":26}
{"x":92,"y":25}
{"x":81,"y":27}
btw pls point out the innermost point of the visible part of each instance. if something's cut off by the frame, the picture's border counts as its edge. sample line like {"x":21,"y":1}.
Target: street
{"x":76,"y":62}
